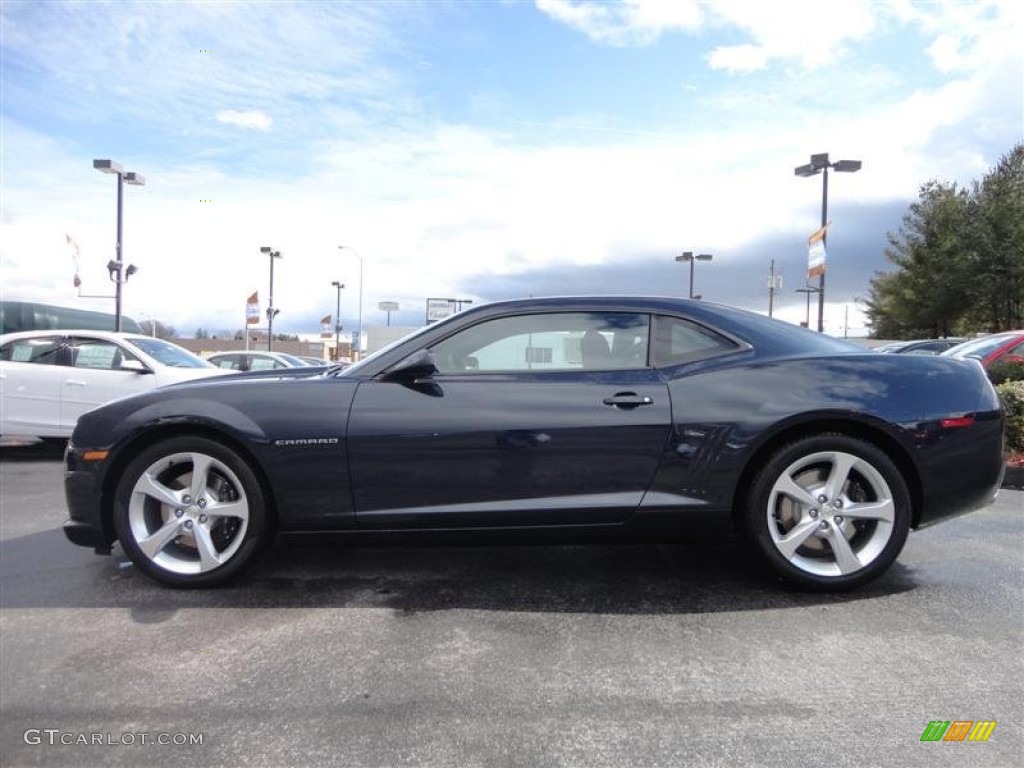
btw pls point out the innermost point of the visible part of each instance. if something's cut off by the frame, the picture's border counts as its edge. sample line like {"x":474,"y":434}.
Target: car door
{"x":94,"y":376}
{"x":540,"y":419}
{"x":30,"y":386}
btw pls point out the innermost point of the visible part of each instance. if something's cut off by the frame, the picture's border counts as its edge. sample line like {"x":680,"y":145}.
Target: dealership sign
{"x":439,"y":309}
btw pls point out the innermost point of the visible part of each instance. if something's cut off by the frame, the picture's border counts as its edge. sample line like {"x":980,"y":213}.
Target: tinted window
{"x":566,"y":341}
{"x":41,"y":350}
{"x":1017,"y":350}
{"x":678,"y":341}
{"x":980,"y":347}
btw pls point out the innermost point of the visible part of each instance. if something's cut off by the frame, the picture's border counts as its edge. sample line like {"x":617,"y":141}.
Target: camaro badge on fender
{"x":307,"y":441}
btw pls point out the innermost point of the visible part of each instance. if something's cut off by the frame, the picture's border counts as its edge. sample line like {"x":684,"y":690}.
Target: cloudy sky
{"x":482,"y":150}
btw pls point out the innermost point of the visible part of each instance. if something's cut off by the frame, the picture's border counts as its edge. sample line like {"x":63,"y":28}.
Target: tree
{"x":932,"y":253}
{"x":158,"y":329}
{"x":959,"y":259}
{"x":1000,"y":214}
{"x":202,"y":333}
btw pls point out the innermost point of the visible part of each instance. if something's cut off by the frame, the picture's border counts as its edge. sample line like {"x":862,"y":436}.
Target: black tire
{"x":203,"y":540}
{"x":815,"y":490}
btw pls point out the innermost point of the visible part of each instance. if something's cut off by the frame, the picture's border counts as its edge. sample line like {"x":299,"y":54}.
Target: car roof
{"x":111,"y":335}
{"x":262,"y":352}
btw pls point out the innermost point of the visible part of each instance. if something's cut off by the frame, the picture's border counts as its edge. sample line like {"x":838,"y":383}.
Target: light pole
{"x":337,"y":322}
{"x":271,"y":312}
{"x":690,"y":257}
{"x":115,"y":266}
{"x":820,"y":164}
{"x":359,"y":327}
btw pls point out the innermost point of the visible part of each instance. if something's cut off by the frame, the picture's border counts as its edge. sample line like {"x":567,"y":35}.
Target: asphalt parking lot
{"x":532,"y":656}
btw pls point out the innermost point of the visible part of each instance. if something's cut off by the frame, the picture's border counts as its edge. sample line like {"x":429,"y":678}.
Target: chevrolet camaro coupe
{"x":610,"y":418}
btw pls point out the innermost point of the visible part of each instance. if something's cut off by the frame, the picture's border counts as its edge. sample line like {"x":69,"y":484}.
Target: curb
{"x":1013,"y":478}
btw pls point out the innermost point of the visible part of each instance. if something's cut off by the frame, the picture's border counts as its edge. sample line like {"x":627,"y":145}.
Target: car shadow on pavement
{"x":18,"y":449}
{"x":42,"y":570}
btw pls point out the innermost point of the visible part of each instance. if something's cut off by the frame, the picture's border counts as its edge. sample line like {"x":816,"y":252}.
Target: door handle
{"x":74,"y":383}
{"x":627,"y":400}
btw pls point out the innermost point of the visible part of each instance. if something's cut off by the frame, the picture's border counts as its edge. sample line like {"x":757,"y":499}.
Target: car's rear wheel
{"x":829,"y":512}
{"x":190,"y":512}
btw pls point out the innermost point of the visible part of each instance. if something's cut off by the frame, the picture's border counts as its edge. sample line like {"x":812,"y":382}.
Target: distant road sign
{"x":439,"y":309}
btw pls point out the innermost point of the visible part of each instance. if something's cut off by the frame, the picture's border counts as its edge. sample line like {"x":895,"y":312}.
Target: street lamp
{"x":271,"y":312}
{"x":359,"y":327}
{"x":337,"y":322}
{"x":820,"y":164}
{"x":115,"y":266}
{"x":690,"y":257}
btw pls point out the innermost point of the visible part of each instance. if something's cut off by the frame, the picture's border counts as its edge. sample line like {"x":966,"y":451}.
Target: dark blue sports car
{"x":551,"y":419}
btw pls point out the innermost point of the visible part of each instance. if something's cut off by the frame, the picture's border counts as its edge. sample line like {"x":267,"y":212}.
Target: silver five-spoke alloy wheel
{"x":829,"y":512}
{"x":190,"y":512}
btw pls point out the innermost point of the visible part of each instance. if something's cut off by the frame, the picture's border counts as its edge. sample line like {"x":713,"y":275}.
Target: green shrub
{"x":1000,"y":373}
{"x":1012,"y":395}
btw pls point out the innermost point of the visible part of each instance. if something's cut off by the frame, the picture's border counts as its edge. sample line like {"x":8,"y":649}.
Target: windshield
{"x":169,"y":354}
{"x":356,"y":367}
{"x":979,"y":347}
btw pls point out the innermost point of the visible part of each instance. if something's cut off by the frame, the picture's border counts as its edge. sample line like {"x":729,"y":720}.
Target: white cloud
{"x":254,"y":119}
{"x":738,"y":58}
{"x":805,"y":32}
{"x":629,"y":22}
{"x":427,"y":200}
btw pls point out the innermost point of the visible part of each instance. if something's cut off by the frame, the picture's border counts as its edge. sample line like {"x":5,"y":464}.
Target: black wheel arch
{"x":869,"y":430}
{"x":143,"y":439}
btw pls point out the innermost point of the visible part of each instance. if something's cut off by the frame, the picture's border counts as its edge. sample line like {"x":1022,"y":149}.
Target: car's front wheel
{"x":829,"y":512}
{"x":190,"y":512}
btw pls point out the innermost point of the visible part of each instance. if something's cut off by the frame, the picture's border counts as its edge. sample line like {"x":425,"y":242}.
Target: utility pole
{"x":774,"y":284}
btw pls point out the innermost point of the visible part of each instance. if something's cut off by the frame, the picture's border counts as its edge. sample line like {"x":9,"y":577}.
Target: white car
{"x":255,"y":360}
{"x":50,"y":378}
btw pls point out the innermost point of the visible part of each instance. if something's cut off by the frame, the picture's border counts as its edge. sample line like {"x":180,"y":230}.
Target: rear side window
{"x":42,"y":350}
{"x":231,"y":362}
{"x":678,"y":341}
{"x":264,"y":364}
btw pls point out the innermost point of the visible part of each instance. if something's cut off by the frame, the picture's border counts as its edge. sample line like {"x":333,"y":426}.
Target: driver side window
{"x":558,"y":341}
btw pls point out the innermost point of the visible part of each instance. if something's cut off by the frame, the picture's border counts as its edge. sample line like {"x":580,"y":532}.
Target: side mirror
{"x":418,"y":365}
{"x":134,"y":365}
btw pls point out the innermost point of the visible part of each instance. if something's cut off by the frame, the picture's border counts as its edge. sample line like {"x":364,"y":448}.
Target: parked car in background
{"x":918,"y":346}
{"x":573,"y":418}
{"x":50,"y":378}
{"x":256,"y":360}
{"x":997,"y":348}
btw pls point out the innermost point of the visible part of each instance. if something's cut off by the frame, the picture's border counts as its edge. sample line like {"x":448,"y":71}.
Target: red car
{"x":1006,"y":347}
